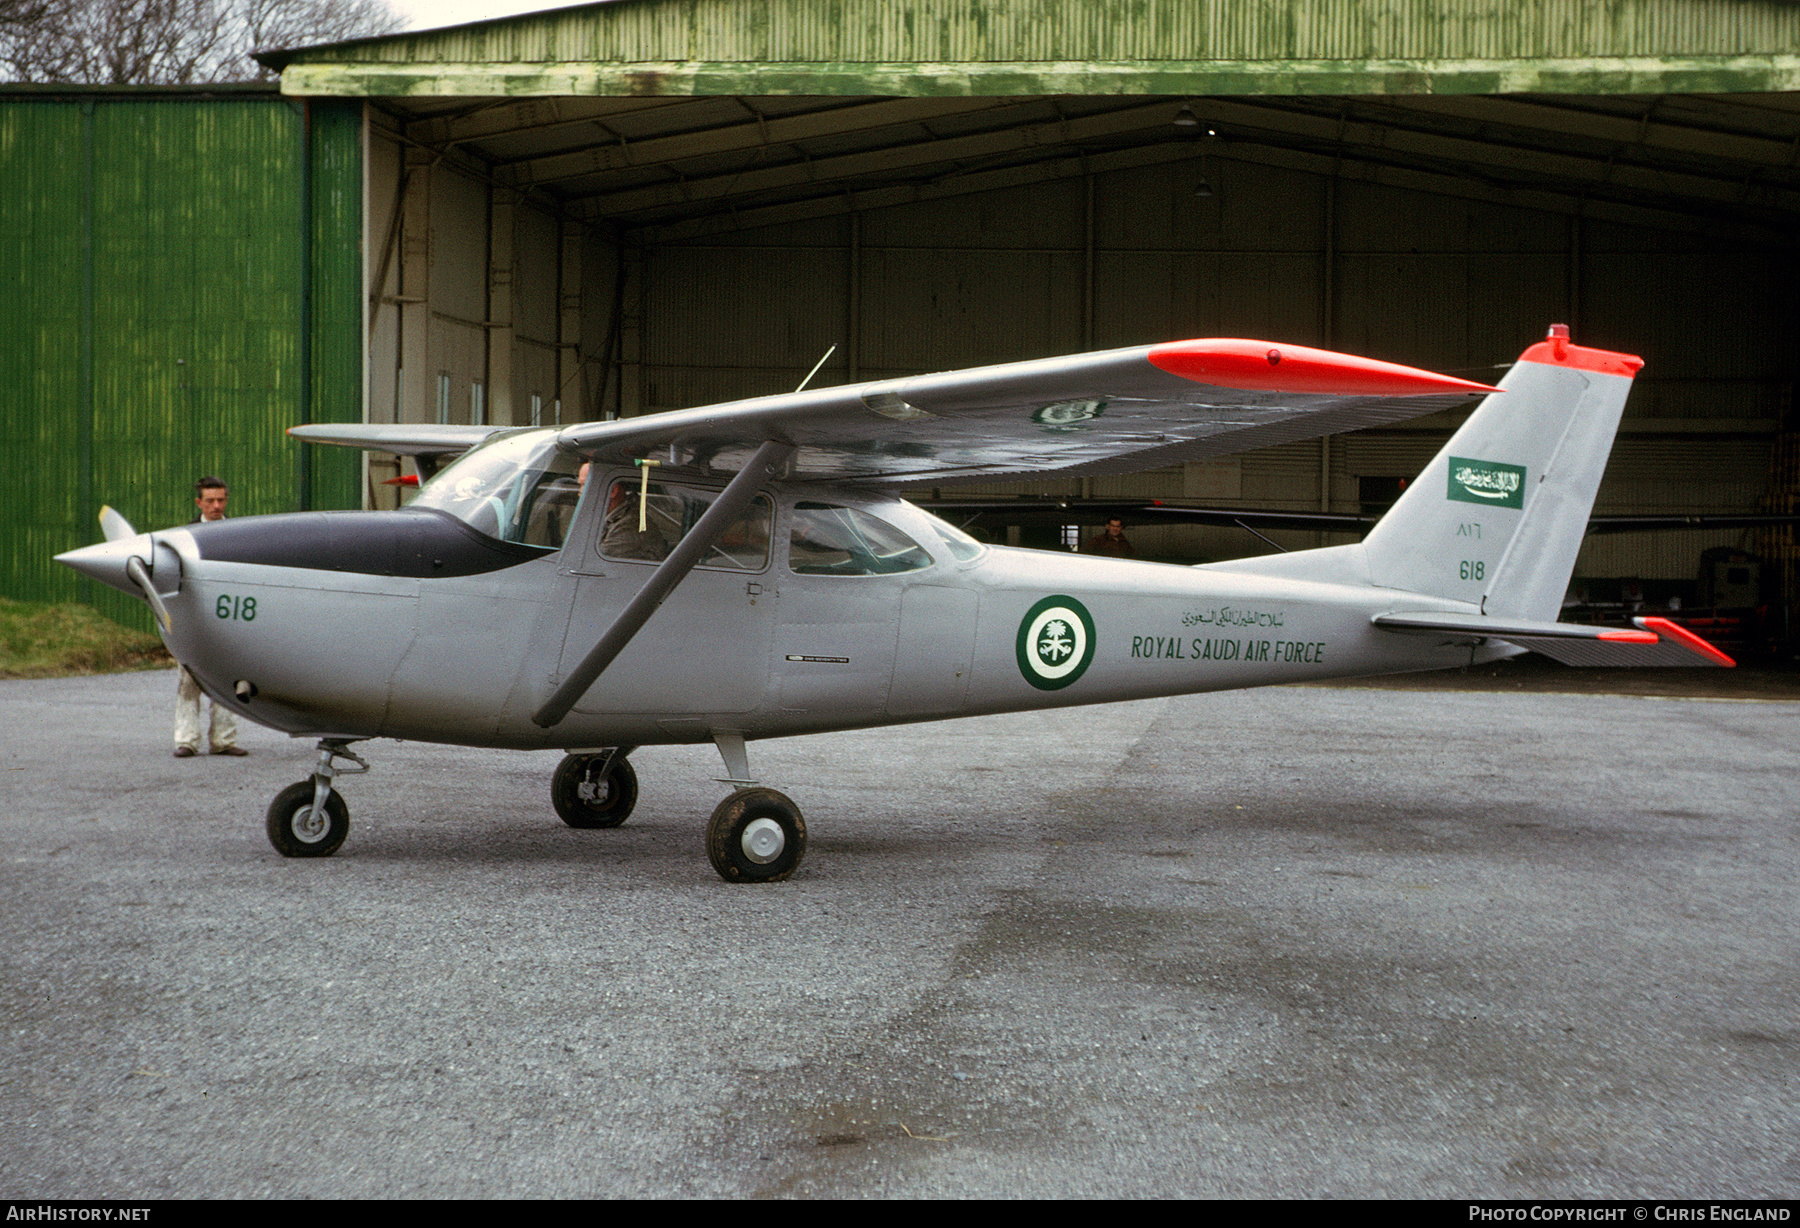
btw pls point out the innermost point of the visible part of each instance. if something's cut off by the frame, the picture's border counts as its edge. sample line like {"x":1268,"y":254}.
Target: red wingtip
{"x":405,"y":479}
{"x":1231,"y":362}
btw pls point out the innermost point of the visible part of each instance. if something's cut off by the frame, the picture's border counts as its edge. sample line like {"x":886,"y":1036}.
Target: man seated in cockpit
{"x":620,"y":537}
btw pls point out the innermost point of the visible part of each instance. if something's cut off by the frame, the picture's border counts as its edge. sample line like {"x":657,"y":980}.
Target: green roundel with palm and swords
{"x":1056,"y":642}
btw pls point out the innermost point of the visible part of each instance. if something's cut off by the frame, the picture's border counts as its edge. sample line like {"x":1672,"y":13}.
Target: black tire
{"x":618,"y":793}
{"x":293,"y":830}
{"x":735,"y":857}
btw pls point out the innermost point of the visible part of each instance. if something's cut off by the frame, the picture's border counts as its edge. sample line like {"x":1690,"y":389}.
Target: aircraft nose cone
{"x":105,"y":561}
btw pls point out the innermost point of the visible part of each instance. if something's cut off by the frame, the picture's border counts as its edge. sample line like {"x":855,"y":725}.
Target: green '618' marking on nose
{"x":236,"y":609}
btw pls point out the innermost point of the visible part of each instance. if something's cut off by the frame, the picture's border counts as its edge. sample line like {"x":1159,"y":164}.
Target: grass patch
{"x":57,"y":641}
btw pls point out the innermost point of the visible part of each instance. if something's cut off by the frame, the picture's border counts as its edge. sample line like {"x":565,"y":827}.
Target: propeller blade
{"x":115,"y":526}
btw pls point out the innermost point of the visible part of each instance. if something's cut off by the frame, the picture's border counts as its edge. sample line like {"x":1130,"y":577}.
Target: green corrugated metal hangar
{"x":647,"y":204}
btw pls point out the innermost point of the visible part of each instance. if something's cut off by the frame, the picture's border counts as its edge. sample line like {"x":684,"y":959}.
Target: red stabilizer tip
{"x":405,"y":479}
{"x":1558,"y":351}
{"x":1687,"y":639}
{"x":1630,"y":637}
{"x":1232,"y":362}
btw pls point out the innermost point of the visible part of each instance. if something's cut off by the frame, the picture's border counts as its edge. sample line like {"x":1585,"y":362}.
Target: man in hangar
{"x":1112,"y":541}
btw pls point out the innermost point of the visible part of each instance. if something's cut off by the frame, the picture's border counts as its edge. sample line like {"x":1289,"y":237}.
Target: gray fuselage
{"x":346,"y":624}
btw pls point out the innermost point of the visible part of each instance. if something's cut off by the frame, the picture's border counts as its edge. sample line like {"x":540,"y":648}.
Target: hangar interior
{"x":565,"y":219}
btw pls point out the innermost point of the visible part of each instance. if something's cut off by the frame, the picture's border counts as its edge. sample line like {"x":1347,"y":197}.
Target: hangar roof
{"x":673,"y":118}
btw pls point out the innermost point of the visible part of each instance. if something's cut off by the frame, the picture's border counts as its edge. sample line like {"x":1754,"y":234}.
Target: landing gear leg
{"x":756,"y":835}
{"x":308,"y":819}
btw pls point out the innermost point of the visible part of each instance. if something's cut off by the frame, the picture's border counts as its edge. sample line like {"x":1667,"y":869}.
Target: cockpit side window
{"x":516,"y":487}
{"x":666,"y":512}
{"x":828,"y":540}
{"x":549,"y":510}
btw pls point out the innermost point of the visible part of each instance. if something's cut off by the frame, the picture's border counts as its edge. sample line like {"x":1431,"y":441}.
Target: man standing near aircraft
{"x":210,"y":494}
{"x":1112,"y":542}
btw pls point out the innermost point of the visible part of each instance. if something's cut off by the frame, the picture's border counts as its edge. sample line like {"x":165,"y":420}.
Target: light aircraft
{"x":748,"y":570}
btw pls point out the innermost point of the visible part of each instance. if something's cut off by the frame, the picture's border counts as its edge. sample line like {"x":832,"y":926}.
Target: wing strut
{"x":682,"y":559}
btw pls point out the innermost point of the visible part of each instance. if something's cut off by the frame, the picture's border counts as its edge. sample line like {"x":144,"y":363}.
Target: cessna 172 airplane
{"x":747,"y":570}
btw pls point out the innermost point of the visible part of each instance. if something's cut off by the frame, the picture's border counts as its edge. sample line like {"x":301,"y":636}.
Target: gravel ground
{"x":1505,"y":942}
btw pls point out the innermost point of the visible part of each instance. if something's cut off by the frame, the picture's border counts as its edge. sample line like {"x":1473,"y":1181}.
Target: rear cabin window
{"x":828,"y":540}
{"x":667,"y":513}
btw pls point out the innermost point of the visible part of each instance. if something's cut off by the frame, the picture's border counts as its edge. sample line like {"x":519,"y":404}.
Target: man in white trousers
{"x":209,"y":496}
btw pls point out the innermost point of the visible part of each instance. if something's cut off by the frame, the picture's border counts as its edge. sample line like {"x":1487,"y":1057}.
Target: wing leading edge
{"x":403,"y":439}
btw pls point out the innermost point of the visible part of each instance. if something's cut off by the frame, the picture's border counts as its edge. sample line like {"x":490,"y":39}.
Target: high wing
{"x":421,"y":439}
{"x":1115,"y":411}
{"x":429,"y":444}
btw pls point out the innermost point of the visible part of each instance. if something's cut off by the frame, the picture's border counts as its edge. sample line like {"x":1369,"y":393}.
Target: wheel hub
{"x":310,"y":825}
{"x":763,"y":841}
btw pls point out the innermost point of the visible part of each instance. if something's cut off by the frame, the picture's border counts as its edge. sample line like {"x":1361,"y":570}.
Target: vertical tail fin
{"x":1497,"y":517}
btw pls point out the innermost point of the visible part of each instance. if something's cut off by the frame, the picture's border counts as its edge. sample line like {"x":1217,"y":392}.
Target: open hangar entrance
{"x":537,"y":256}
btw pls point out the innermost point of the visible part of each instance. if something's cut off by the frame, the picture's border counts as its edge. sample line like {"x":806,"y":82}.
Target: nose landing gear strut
{"x":309,"y":819}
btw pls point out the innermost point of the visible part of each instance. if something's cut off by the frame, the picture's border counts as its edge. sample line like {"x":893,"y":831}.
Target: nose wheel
{"x":300,"y":827}
{"x":309,"y":819}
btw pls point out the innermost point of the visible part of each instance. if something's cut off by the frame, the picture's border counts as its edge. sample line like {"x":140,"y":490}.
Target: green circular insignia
{"x":1056,"y":642}
{"x":1065,"y":415}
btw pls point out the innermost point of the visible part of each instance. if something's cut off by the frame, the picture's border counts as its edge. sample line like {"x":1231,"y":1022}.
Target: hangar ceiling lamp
{"x":1185,"y":118}
{"x":1203,"y":190}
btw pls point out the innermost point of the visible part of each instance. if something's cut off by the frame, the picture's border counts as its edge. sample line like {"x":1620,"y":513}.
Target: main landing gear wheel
{"x":584,"y":798}
{"x":756,"y":836}
{"x":298,"y":829}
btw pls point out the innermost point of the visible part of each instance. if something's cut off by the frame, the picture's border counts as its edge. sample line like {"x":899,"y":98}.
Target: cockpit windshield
{"x":517,"y":487}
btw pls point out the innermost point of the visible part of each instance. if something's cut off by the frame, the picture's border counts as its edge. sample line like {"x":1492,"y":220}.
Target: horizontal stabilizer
{"x":1657,"y":641}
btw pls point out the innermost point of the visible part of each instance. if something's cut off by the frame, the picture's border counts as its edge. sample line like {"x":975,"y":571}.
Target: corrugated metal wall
{"x":331,"y":478}
{"x":1438,"y":282}
{"x":159,"y":259}
{"x":879,"y":31}
{"x":46,"y":307}
{"x":437,"y":250}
